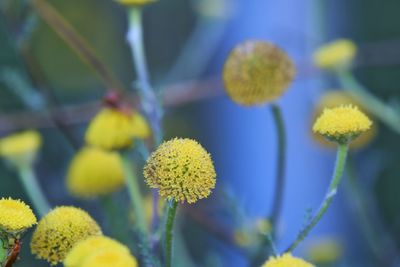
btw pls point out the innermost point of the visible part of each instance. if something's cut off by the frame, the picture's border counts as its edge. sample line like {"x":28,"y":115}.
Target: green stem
{"x":113,"y":218}
{"x":332,"y":190}
{"x":149,"y":101}
{"x":388,"y":115}
{"x":280,"y":167}
{"x":169,"y":232}
{"x":32,"y":188}
{"x":3,"y":252}
{"x":134,"y":194}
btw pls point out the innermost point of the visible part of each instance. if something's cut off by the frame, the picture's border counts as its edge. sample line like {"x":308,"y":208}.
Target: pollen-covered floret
{"x":59,"y":231}
{"x":257,"y":72}
{"x":286,"y":260}
{"x":83,"y":249}
{"x":15,"y":216}
{"x":182,"y":170}
{"x":95,"y":172}
{"x":110,"y":257}
{"x":337,"y":54}
{"x":342,"y":123}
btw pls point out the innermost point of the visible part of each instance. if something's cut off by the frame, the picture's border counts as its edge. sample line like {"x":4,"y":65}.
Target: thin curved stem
{"x":332,"y":190}
{"x":169,"y":232}
{"x":388,"y":115}
{"x":134,"y":194}
{"x":32,"y":188}
{"x":280,"y":167}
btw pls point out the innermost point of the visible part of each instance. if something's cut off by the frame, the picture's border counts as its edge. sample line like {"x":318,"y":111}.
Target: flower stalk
{"x":332,"y":190}
{"x":169,"y":232}
{"x":280,"y":167}
{"x":34,"y":191}
{"x":134,"y":194}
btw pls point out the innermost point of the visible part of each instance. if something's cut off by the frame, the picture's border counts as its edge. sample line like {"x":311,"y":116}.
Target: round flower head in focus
{"x":59,"y":231}
{"x":257,"y":72}
{"x":15,"y":216}
{"x":325,"y":251}
{"x":334,"y":98}
{"x":338,"y":54}
{"x":286,"y":260}
{"x":342,"y":124}
{"x":182,"y":170}
{"x":83,"y":249}
{"x":135,"y":2}
{"x":110,"y":257}
{"x":95,"y":172}
{"x":20,"y":149}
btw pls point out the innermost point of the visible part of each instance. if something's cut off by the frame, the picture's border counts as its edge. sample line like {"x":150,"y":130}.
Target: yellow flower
{"x":182,"y":170}
{"x":15,"y":216}
{"x":110,"y":257}
{"x":59,"y":231}
{"x":21,"y":148}
{"x":264,"y":226}
{"x":113,"y":129}
{"x":83,"y":249}
{"x":286,"y":260}
{"x":334,"y":98}
{"x":325,"y":251}
{"x":342,"y":124}
{"x":257,"y":72}
{"x":94,"y":172}
{"x":242,"y":238}
{"x":338,"y":54}
{"x":135,"y":2}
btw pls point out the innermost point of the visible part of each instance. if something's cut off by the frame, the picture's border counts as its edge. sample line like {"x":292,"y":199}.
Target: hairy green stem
{"x":387,"y":114}
{"x":134,"y":194}
{"x":169,"y":232}
{"x":280,"y":167}
{"x":332,"y":190}
{"x":32,"y":188}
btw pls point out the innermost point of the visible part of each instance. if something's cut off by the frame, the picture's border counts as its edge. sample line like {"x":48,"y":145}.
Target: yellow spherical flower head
{"x":342,"y":124}
{"x":95,"y":172}
{"x":334,"y":98}
{"x":338,"y":54}
{"x":59,"y":231}
{"x":325,"y":251}
{"x":110,"y":257}
{"x":286,"y":260}
{"x":182,"y":170}
{"x":113,"y":128}
{"x":83,"y":249}
{"x":135,"y":2}
{"x":257,"y":72}
{"x":15,"y":216}
{"x":20,"y":149}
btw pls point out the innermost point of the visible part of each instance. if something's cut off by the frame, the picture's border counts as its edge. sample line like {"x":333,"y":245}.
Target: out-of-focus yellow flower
{"x":257,"y":72}
{"x":334,"y":98}
{"x":95,"y":172}
{"x":113,"y":129}
{"x":286,"y":260}
{"x":342,"y":124}
{"x":59,"y":231}
{"x":325,"y":251}
{"x":135,"y":2}
{"x":111,"y":257}
{"x":214,"y":8}
{"x":337,"y":54}
{"x":83,"y":249}
{"x":182,"y":170}
{"x":21,"y":148}
{"x":242,"y":238}
{"x":15,"y":216}
{"x":140,"y":127}
{"x":264,"y":226}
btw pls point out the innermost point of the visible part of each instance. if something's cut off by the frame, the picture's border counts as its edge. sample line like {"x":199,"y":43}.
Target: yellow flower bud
{"x":338,"y":54}
{"x":257,"y":72}
{"x":286,"y":260}
{"x":111,"y":257}
{"x":15,"y":216}
{"x":95,"y":172}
